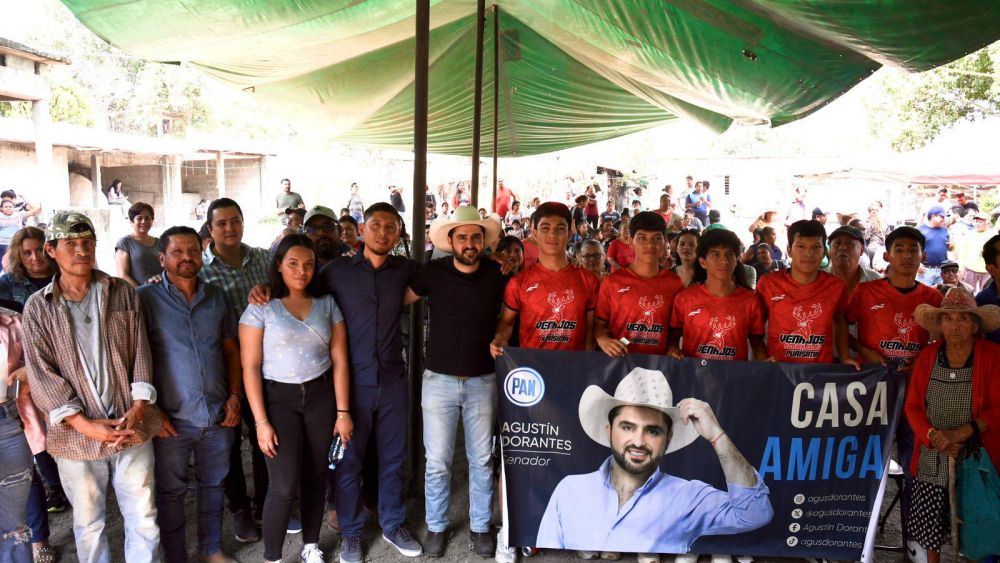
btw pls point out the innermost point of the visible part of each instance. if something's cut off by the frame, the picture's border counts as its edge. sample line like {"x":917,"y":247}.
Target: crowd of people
{"x":201,"y":340}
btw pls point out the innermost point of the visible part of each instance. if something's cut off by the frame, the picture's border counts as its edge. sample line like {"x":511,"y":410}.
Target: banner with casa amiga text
{"x":646,"y":454}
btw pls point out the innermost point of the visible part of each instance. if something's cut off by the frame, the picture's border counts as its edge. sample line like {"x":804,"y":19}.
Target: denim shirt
{"x":16,"y":288}
{"x":372,"y":304}
{"x":665,"y":515}
{"x":189,"y":367}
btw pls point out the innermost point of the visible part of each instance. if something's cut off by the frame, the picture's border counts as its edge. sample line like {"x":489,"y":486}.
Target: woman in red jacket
{"x":951,"y":401}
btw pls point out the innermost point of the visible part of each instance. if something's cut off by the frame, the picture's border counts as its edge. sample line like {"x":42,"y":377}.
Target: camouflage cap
{"x":64,"y":225}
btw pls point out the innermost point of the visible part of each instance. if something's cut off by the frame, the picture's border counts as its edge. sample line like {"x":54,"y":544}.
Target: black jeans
{"x":236,"y":481}
{"x":302,"y":416}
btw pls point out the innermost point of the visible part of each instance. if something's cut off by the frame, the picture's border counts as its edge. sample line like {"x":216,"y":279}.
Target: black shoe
{"x":55,"y":500}
{"x":483,"y":543}
{"x":243,"y":526}
{"x":435,"y":543}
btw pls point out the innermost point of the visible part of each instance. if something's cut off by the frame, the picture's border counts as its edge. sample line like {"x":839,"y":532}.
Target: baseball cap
{"x":67,"y":224}
{"x":320,"y":210}
{"x":847,"y":231}
{"x":981,"y":215}
{"x":817,"y":212}
{"x":949,"y":264}
{"x":936,"y":210}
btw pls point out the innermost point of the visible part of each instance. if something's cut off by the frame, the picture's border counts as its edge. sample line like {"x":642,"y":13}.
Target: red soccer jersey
{"x":717,"y":328}
{"x":800,"y":317}
{"x":552,"y":306}
{"x":638,"y":309}
{"x":621,"y":252}
{"x":884,"y":316}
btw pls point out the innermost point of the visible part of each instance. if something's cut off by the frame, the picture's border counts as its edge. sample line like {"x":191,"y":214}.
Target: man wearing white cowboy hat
{"x":628,"y":504}
{"x":465,"y":295}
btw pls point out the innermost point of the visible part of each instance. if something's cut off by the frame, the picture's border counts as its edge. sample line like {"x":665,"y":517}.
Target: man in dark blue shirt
{"x":938,"y":245}
{"x":196,"y":372}
{"x":989,"y":294}
{"x":370,"y":287}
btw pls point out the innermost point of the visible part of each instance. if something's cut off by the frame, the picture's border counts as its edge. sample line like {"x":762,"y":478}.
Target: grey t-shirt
{"x":143,"y":260}
{"x":87,"y":336}
{"x":291,"y":199}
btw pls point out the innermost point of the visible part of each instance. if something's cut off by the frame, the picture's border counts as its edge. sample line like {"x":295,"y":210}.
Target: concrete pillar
{"x":95,"y":178}
{"x":53,"y":197}
{"x":176,"y":189}
{"x":264,"y":183}
{"x":220,"y":174}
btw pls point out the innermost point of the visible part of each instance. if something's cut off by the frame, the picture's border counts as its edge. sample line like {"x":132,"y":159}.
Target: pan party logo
{"x":524,"y":387}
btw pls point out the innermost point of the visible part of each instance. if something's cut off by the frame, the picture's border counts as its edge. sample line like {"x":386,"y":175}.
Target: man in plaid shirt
{"x":90,"y":373}
{"x":236,"y":268}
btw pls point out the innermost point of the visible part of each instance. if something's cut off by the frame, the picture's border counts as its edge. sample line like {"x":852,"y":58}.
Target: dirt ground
{"x":376,"y":549}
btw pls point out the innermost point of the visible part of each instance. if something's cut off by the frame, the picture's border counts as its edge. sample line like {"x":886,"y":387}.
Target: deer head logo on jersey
{"x":558,"y":302}
{"x":904,"y":324}
{"x":648,"y":306}
{"x":804,"y":319}
{"x":719,"y":330}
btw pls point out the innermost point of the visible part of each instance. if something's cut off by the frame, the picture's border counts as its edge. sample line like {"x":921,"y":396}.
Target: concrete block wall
{"x":198,"y":177}
{"x":141,"y":183}
{"x":19,"y":172}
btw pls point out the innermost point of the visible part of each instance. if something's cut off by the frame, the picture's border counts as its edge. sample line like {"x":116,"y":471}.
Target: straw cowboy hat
{"x":640,"y":388}
{"x":463,"y":215}
{"x":957,"y":300}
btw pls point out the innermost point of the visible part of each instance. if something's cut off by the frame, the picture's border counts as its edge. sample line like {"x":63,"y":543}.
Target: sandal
{"x":44,"y":553}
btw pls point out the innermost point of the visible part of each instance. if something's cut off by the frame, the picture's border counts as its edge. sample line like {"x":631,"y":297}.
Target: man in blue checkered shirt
{"x":236,"y":268}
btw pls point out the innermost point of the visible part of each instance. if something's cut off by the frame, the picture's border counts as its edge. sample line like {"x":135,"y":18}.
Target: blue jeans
{"x":38,"y":510}
{"x":15,"y":482}
{"x":445,"y":399}
{"x":86,"y":485}
{"x":211,"y":464}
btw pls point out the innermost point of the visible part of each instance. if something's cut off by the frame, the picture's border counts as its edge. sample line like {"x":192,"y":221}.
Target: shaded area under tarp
{"x":571,"y":71}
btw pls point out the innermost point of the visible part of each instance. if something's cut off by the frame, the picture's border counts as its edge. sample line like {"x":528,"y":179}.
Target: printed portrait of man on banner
{"x":629,"y":503}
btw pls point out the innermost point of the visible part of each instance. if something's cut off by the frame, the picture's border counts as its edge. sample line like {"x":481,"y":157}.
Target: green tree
{"x":908,"y":110}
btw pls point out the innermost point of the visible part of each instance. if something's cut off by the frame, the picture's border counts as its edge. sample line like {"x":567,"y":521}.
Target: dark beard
{"x":463,"y":259}
{"x":327,"y":250}
{"x":631,"y":468}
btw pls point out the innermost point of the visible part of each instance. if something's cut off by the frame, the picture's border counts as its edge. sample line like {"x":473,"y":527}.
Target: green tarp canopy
{"x":571,"y":72}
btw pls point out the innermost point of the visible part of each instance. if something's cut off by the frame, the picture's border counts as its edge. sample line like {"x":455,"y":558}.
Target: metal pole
{"x":416,"y":363}
{"x":496,"y":98}
{"x":477,"y":112}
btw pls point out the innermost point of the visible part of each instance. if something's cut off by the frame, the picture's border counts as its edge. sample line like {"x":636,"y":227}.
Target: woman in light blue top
{"x":289,"y":348}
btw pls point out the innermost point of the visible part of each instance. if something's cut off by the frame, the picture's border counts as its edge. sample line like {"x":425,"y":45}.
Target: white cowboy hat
{"x":640,"y":388}
{"x":463,"y":215}
{"x":957,"y":300}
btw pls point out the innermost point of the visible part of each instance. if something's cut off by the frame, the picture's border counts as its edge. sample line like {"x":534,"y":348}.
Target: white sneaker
{"x":311,"y":554}
{"x":686,"y":558}
{"x":647,"y":557}
{"x":915,"y":552}
{"x":587,"y":554}
{"x":744,"y":558}
{"x":722,"y":558}
{"x":505,"y":553}
{"x":894,"y":468}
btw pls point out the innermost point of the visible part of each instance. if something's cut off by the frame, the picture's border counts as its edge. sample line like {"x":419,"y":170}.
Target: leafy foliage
{"x":105,"y":87}
{"x":910,"y":110}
